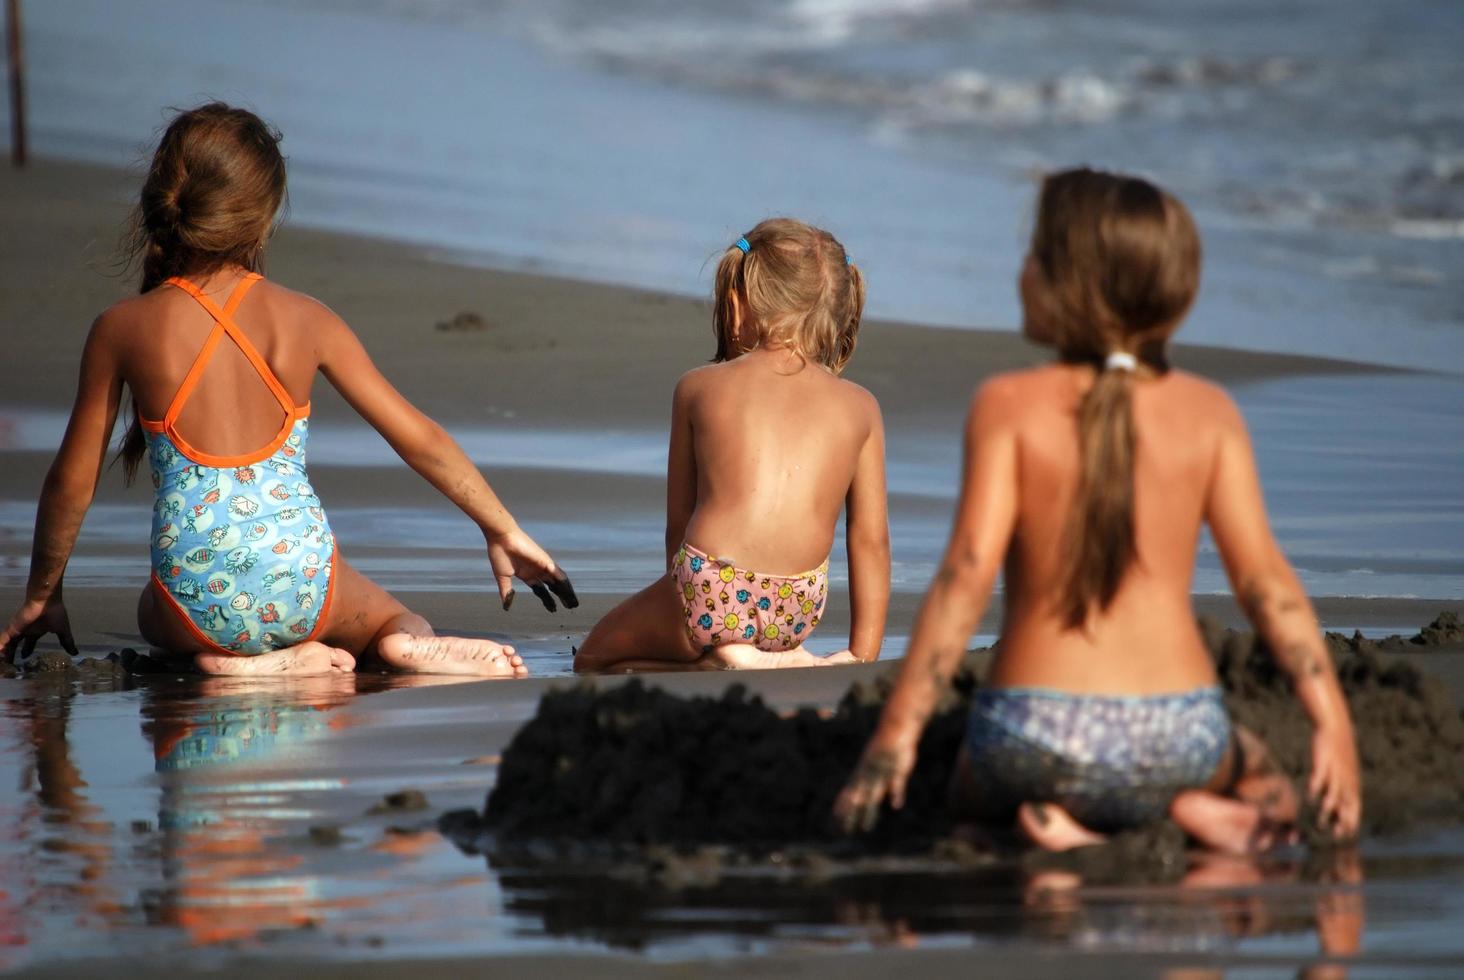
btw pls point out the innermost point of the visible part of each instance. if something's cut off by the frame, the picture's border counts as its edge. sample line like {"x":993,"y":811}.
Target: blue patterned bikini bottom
{"x":1111,"y":761}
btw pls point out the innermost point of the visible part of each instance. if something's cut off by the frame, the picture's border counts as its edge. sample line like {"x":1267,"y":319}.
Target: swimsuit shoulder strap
{"x":224,"y":324}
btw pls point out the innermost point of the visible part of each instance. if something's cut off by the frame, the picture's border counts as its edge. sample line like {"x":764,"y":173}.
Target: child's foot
{"x":1052,"y":828}
{"x":302,"y":660}
{"x":1262,"y":782}
{"x":745,"y":656}
{"x":450,"y":655}
{"x":1227,"y":825}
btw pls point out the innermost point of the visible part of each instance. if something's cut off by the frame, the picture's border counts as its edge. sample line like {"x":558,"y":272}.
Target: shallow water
{"x":1362,"y":476}
{"x":178,"y":816}
{"x":1321,"y":144}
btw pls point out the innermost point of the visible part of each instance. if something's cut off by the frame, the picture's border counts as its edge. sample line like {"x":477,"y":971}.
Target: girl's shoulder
{"x":293,"y":304}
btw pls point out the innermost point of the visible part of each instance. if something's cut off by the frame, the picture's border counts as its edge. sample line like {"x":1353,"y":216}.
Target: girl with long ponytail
{"x":1087,"y":481}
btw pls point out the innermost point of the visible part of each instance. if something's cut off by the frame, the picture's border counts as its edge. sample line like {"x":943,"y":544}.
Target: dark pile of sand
{"x":636,"y":767}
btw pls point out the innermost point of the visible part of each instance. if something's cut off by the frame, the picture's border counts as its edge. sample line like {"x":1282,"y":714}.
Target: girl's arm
{"x":427,"y":448}
{"x":985,"y":517}
{"x":66,"y":495}
{"x":867,"y":537}
{"x":1272,"y":596}
{"x":680,"y":470}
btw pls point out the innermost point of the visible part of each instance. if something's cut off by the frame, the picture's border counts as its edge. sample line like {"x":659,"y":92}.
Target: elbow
{"x":871,"y":541}
{"x":964,"y":574}
{"x":426,"y":446}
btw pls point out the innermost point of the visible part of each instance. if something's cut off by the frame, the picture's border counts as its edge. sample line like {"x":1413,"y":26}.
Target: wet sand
{"x":543,"y":355}
{"x":476,"y":347}
{"x":603,"y":767}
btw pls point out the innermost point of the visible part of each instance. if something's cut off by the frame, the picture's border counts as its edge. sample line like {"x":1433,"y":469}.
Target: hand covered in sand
{"x":515,"y":554}
{"x":1336,"y":782}
{"x":33,"y":620}
{"x":882,"y":773}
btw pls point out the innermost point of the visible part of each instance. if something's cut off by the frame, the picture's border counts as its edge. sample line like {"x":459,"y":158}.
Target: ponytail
{"x":854,"y":303}
{"x":1100,"y":529}
{"x":797,"y":290}
{"x":213,"y":189}
{"x":1113,"y":268}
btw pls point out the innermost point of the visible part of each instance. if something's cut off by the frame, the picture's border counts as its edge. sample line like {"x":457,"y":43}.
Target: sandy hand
{"x":1336,"y":782}
{"x":516,"y":555}
{"x":883,"y":772}
{"x":33,"y":620}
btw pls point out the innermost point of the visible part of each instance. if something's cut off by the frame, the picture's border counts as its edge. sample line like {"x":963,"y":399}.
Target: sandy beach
{"x":570,"y":382}
{"x":553,"y":359}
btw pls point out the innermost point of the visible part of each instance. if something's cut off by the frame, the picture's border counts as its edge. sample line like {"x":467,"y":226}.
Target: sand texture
{"x":637,"y":767}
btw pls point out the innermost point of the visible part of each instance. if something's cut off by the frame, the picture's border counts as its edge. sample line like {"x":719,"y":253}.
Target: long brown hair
{"x":1114,"y":267}
{"x":213,"y":190}
{"x":797,"y":289}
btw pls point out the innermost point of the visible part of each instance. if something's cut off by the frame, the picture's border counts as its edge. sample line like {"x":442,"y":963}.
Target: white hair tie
{"x":1120,"y":360}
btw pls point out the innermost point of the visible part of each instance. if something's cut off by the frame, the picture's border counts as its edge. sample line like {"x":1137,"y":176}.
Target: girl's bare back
{"x":1146,"y":641}
{"x":231,"y":411}
{"x":776,"y":443}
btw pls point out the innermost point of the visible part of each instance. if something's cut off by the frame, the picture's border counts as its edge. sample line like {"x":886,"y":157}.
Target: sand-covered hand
{"x":883,"y":772}
{"x":1336,"y":783}
{"x":33,"y":620}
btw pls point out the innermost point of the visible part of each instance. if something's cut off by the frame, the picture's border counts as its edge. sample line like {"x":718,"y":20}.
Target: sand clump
{"x":637,"y":770}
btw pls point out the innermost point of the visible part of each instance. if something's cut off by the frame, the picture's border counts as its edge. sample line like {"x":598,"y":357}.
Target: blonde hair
{"x":797,"y":289}
{"x":1117,"y":266}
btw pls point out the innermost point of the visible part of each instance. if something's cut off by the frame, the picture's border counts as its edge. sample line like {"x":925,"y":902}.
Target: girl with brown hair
{"x":246,"y":573}
{"x":1086,"y":481}
{"x":768,"y":444}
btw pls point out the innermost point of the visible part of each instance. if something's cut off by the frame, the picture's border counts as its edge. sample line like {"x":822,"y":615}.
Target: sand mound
{"x":637,"y":767}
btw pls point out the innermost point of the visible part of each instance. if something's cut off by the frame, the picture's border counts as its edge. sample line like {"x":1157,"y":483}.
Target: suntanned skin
{"x":1194,"y":464}
{"x":147,"y":344}
{"x":765,"y":451}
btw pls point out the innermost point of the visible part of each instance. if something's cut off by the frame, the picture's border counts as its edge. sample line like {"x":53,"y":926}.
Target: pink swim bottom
{"x":726,"y":604}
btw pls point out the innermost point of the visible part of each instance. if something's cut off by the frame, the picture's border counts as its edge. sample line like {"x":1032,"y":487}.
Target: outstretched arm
{"x":1272,"y":596}
{"x":427,"y":448}
{"x":867,"y":538}
{"x":985,"y":517}
{"x":66,"y":496}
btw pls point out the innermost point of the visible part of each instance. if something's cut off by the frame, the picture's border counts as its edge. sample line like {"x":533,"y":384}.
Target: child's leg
{"x":745,"y":656}
{"x":161,"y":628}
{"x":1047,"y":825}
{"x":645,"y":632}
{"x":1249,"y":805}
{"x":367,"y":618}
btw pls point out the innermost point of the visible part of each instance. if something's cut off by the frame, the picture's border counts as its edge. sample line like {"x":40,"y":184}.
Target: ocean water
{"x":1320,"y":143}
{"x":1363,"y":477}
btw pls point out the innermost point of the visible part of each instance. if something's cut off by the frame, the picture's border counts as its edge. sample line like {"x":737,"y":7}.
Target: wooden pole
{"x":17,"y":83}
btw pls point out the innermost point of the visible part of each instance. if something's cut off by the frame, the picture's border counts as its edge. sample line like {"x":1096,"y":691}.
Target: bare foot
{"x":1263,"y":784}
{"x":301,"y":660}
{"x":1052,"y":828}
{"x":1224,"y":824}
{"x":745,"y":656}
{"x":450,"y":655}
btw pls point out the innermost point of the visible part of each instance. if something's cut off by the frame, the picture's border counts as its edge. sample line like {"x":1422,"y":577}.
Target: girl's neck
{"x":222,"y":278}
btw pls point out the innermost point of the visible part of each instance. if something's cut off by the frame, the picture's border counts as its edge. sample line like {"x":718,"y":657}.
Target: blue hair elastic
{"x":742,"y":244}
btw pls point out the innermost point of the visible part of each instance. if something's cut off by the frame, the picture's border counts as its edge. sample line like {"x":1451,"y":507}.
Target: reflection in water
{"x":69,"y":863}
{"x":222,"y":880}
{"x":1221,"y":903}
{"x":241,"y":769}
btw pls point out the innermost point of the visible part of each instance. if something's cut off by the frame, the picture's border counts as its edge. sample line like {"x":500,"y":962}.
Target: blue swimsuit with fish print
{"x":241,"y":548}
